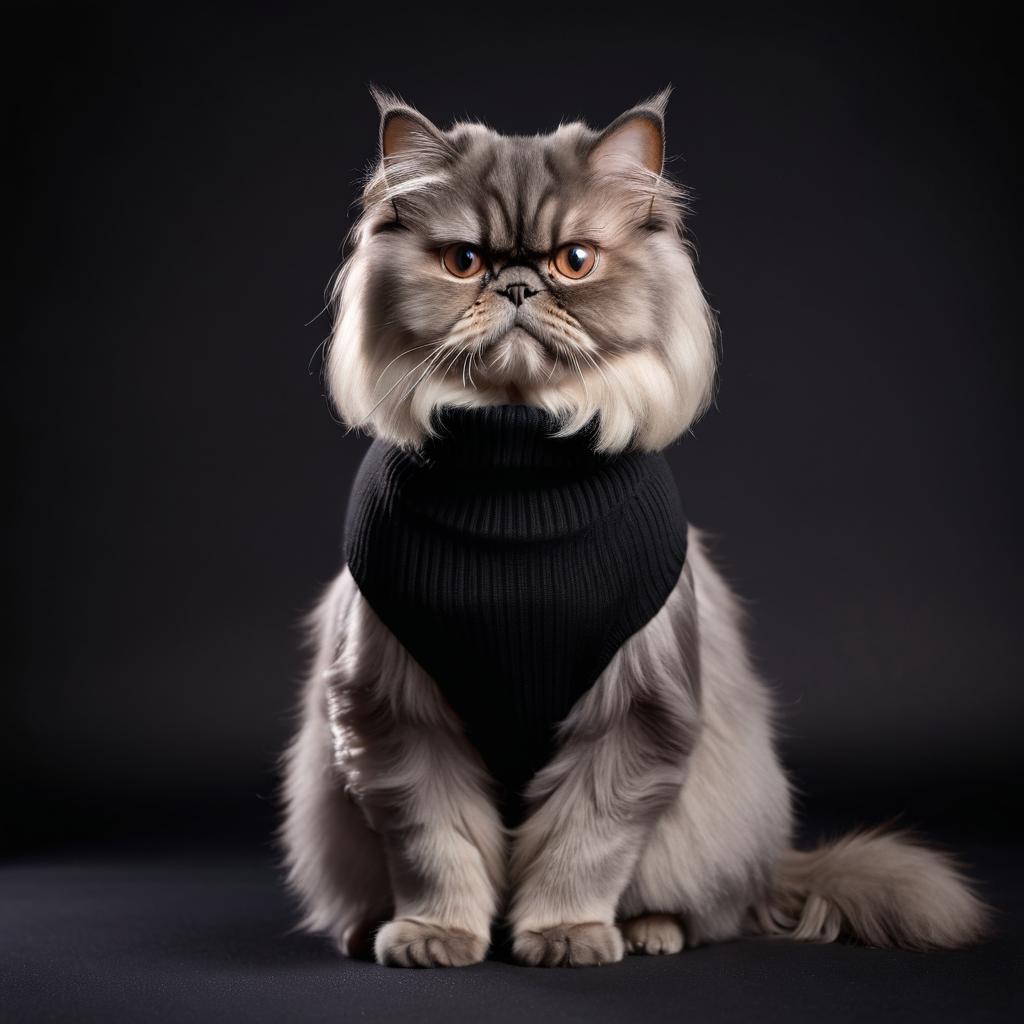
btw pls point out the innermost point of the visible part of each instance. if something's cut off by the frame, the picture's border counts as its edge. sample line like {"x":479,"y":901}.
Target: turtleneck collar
{"x":508,"y":437}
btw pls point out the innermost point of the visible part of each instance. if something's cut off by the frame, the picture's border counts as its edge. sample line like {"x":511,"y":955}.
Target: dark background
{"x":182,"y":182}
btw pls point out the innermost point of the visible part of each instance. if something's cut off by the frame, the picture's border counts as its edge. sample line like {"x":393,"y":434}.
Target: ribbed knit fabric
{"x":512,"y":565}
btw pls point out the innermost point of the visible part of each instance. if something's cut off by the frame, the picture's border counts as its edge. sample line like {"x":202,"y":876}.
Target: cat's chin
{"x":517,"y":359}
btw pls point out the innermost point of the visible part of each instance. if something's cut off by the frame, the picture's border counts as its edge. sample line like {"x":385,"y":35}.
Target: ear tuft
{"x":404,"y":132}
{"x":658,"y":103}
{"x":635,"y":137}
{"x":385,"y":99}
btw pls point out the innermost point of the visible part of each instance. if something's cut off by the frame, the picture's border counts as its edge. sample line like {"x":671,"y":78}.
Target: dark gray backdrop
{"x":184,"y":181}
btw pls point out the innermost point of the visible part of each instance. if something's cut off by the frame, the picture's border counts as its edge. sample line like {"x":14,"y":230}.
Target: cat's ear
{"x":405,"y":134}
{"x":635,"y":137}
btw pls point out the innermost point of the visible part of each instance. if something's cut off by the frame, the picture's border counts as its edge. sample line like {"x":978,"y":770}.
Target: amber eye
{"x":462,"y":260}
{"x":575,"y":260}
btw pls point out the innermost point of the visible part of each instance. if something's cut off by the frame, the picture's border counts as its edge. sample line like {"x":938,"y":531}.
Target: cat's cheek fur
{"x":412,"y":294}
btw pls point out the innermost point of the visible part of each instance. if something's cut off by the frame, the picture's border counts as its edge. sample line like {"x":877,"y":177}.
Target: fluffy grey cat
{"x":646,"y":833}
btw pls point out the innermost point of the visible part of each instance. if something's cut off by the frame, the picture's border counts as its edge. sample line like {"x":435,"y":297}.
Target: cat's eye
{"x":462,"y":260}
{"x":575,"y":260}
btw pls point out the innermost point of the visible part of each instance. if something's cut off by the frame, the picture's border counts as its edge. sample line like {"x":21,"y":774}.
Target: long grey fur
{"x":664,"y":820}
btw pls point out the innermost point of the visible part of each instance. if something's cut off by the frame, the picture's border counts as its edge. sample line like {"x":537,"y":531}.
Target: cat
{"x":552,"y":272}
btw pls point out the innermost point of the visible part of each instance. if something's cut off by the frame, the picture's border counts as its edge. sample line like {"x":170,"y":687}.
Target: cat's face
{"x":548,"y":270}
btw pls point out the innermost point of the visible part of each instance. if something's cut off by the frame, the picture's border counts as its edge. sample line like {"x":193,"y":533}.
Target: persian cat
{"x":530,"y":303}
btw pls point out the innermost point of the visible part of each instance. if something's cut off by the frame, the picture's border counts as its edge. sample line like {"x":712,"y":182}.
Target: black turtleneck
{"x":512,"y":565}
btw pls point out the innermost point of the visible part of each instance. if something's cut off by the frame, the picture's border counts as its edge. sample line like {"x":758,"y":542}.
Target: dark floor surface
{"x":203,"y":935}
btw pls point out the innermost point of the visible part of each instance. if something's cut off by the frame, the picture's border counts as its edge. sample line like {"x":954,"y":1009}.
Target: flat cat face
{"x":548,"y":270}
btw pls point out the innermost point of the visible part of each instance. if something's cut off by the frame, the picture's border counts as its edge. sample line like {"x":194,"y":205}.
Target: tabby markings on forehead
{"x":509,"y":194}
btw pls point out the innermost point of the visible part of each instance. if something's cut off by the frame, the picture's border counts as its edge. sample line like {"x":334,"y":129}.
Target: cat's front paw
{"x":653,"y":934}
{"x":569,"y":945}
{"x":405,"y":942}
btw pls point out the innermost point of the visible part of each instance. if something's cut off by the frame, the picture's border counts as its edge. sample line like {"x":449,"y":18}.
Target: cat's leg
{"x":712,"y":854}
{"x":335,"y":860}
{"x":621,"y":761}
{"x":721,"y":857}
{"x":424,"y":792}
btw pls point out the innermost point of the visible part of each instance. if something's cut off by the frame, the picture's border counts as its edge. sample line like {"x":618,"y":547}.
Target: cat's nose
{"x":517,"y":293}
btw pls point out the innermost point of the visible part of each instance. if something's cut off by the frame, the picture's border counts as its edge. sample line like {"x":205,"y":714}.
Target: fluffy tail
{"x":879,"y":888}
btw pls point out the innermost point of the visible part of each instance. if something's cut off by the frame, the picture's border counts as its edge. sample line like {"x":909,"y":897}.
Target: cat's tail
{"x":881,"y":888}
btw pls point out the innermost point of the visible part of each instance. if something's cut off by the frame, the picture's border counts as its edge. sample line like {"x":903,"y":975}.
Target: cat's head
{"x":546,"y":270}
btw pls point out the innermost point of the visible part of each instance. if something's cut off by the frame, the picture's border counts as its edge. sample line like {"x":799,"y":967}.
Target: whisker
{"x":391,"y":389}
{"x":399,"y":356}
{"x":326,"y":306}
{"x":309,"y":365}
{"x":554,"y":366}
{"x":451,"y":363}
{"x":433,"y":364}
{"x":430,"y":370}
{"x":611,"y":369}
{"x":583,"y":380}
{"x":586,"y":355}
